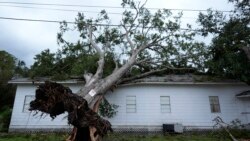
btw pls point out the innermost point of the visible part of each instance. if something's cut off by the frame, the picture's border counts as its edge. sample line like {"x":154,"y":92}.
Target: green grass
{"x":164,"y":138}
{"x":33,"y":137}
{"x":113,"y":137}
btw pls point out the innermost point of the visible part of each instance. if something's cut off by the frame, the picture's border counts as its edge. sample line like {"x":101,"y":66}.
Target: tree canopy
{"x":230,"y":47}
{"x":9,"y":67}
{"x":159,"y":41}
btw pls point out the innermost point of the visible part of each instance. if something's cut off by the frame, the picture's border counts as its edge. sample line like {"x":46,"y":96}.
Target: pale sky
{"x":26,"y":39}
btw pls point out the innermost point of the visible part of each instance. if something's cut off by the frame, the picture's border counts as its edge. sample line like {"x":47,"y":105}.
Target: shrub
{"x":5,"y":115}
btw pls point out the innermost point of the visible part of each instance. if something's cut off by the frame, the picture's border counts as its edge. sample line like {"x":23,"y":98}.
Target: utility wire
{"x":33,"y":20}
{"x":114,"y":7}
{"x":57,"y":9}
{"x":70,"y":10}
{"x":70,"y":22}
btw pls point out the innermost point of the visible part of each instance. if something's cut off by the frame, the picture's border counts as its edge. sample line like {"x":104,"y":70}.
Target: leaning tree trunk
{"x":96,"y":87}
{"x":55,"y":99}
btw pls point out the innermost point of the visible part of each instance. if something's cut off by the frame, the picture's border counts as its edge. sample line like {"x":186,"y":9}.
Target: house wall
{"x":189,"y":106}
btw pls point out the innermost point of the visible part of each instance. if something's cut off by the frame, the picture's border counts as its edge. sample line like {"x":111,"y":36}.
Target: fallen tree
{"x":149,"y":43}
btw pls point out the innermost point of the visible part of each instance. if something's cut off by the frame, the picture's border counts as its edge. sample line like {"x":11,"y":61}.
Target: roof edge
{"x":184,"y":83}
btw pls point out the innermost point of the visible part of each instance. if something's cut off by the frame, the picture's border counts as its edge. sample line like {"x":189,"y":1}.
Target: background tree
{"x":9,"y":66}
{"x":143,"y":43}
{"x":230,"y":47}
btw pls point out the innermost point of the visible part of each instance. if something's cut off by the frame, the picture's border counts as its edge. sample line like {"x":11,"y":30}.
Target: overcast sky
{"x":25,"y":39}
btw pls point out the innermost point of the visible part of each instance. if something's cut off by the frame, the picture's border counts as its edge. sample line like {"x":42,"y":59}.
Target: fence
{"x":119,"y":130}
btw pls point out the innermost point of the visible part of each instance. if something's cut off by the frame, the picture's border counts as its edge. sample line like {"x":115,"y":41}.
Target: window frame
{"x":168,"y":104}
{"x":27,"y":103}
{"x":131,"y":103}
{"x":214,"y":103}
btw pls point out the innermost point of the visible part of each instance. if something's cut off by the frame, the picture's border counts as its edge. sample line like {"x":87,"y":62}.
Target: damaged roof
{"x":166,"y":79}
{"x":184,"y":79}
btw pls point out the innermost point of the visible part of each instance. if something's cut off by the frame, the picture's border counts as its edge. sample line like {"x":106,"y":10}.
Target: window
{"x":131,"y":104}
{"x":27,"y":100}
{"x":165,"y":104}
{"x":214,"y":104}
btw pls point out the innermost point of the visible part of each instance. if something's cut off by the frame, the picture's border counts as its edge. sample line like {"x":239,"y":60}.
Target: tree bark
{"x":92,"y":130}
{"x":247,"y":52}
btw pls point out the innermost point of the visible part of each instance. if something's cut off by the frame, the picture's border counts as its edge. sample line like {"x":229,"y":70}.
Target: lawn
{"x":117,"y":137}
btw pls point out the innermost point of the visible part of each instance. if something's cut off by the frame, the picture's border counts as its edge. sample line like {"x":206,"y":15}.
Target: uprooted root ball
{"x":54,"y":99}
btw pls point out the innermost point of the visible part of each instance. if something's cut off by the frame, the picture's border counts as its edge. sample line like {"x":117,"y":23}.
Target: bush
{"x":5,"y":115}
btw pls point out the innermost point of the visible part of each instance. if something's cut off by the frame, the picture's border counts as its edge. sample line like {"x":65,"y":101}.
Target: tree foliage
{"x":71,"y":60}
{"x":228,"y":50}
{"x":163,"y":42}
{"x":9,"y":67}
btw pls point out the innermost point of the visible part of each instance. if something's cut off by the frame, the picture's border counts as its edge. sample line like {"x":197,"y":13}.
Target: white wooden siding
{"x":189,"y":106}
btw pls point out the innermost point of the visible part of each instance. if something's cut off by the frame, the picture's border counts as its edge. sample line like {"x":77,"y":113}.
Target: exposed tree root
{"x":55,"y":99}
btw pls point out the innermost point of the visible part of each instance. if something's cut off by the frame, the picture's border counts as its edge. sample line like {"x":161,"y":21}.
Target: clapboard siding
{"x":189,"y":106}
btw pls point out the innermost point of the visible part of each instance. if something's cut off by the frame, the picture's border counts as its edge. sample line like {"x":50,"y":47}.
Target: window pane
{"x":217,"y":108}
{"x":214,"y":104}
{"x":131,"y":101}
{"x":27,"y":100}
{"x":165,"y":100}
{"x":131,"y":104}
{"x":133,"y":98}
{"x":165,"y":104}
{"x":165,"y":109}
{"x":131,"y":110}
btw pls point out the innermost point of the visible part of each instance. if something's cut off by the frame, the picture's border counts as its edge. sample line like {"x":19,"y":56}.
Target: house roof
{"x":41,"y":80}
{"x":184,"y":79}
{"x":166,"y":79}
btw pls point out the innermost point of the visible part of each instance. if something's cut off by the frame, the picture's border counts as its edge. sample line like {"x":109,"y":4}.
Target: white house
{"x":149,"y":103}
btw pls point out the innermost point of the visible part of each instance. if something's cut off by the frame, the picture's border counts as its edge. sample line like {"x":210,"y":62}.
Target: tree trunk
{"x":92,"y":130}
{"x":98,"y":87}
{"x":247,"y":51}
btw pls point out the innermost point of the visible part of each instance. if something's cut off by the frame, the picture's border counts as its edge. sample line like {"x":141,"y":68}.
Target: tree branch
{"x":101,"y":60}
{"x":149,"y":73}
{"x":143,"y":61}
{"x":93,"y":44}
{"x":132,"y":25}
{"x":87,"y":77}
{"x":128,"y":39}
{"x":116,"y":66}
{"x":141,"y":75}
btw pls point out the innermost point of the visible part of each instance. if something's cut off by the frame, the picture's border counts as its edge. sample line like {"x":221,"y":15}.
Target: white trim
{"x":185,"y":83}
